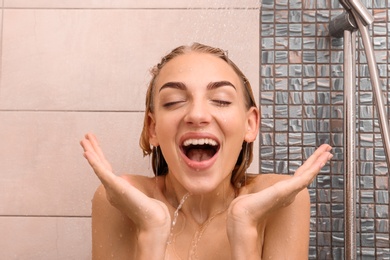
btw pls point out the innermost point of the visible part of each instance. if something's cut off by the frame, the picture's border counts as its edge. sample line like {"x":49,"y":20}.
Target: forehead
{"x":199,"y":67}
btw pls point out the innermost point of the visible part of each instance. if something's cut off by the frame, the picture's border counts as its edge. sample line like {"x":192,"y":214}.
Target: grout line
{"x":43,"y":216}
{"x":71,"y":111}
{"x":134,"y":8}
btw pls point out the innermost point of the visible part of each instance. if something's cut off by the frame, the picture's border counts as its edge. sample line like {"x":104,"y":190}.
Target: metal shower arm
{"x":356,"y":18}
{"x":359,"y":9}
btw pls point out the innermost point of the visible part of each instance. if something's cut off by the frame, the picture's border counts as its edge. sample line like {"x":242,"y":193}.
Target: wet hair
{"x":159,"y":165}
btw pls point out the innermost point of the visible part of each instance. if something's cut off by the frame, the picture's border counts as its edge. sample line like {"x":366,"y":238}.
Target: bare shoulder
{"x":260,"y":182}
{"x":140,"y":182}
{"x":300,"y":202}
{"x":147,"y":185}
{"x":117,"y":231}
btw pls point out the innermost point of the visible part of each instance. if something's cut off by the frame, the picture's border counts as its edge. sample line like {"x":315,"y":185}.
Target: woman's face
{"x":200,"y":120}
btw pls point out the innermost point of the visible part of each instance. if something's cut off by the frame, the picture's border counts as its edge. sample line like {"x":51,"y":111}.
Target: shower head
{"x":341,"y":23}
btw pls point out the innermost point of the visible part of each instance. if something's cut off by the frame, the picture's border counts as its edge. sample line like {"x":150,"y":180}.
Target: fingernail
{"x":330,"y":156}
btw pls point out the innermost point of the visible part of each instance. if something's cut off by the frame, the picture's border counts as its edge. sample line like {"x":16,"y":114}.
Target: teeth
{"x":200,"y":142}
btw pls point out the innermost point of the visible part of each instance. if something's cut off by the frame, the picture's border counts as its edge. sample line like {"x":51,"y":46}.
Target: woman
{"x":200,"y":124}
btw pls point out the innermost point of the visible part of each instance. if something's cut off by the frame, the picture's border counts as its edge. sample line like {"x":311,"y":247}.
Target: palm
{"x":252,"y":207}
{"x":145,"y":212}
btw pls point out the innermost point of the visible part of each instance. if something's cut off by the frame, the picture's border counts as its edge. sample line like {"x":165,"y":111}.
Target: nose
{"x":198,"y":114}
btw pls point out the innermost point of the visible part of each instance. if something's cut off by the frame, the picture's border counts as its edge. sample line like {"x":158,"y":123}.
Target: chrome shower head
{"x":339,"y":24}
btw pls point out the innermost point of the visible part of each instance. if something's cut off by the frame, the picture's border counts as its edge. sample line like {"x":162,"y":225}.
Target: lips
{"x":199,"y":151}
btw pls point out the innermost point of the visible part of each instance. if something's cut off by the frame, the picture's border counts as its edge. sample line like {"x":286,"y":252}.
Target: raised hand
{"x":149,"y":215}
{"x":247,"y":210}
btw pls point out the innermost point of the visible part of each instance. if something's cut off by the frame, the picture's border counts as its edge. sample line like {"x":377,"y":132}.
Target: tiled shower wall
{"x":301,"y":98}
{"x":68,"y":67}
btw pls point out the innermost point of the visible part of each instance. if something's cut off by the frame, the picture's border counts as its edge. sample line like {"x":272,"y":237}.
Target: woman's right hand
{"x":151,"y":216}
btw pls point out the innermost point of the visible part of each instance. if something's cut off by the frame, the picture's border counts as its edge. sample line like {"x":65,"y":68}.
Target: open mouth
{"x":200,"y":149}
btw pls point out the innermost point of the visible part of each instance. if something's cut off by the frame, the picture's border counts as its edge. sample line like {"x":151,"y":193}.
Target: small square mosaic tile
{"x":302,"y":106}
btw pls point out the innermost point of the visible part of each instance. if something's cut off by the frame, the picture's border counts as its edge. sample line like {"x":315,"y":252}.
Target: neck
{"x":199,"y":207}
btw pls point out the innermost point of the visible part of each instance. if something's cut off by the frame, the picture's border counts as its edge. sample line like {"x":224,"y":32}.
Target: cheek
{"x":233,"y":122}
{"x":161,"y":130}
{"x":165,"y":128}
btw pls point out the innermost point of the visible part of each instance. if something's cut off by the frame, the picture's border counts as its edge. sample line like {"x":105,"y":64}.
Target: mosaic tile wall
{"x":302,"y":107}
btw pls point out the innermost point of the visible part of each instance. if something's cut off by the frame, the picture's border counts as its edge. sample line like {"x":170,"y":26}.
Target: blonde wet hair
{"x":160,"y":166}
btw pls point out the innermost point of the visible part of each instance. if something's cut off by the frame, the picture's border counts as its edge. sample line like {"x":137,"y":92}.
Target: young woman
{"x":200,"y":124}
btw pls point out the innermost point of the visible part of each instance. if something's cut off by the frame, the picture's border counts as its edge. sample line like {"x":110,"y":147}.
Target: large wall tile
{"x":1,"y":26}
{"x":43,"y":171}
{"x":130,"y":4}
{"x":99,"y":59}
{"x":45,"y":238}
{"x":69,"y":67}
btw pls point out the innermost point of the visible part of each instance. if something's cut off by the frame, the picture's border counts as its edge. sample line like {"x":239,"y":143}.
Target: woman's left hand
{"x":246,"y":211}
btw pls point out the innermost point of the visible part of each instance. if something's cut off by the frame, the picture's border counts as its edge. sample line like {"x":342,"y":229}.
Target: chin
{"x":202,"y":186}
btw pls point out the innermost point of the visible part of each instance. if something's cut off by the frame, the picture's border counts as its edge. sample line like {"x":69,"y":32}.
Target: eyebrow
{"x":175,"y":85}
{"x":218,"y":84}
{"x":210,"y":86}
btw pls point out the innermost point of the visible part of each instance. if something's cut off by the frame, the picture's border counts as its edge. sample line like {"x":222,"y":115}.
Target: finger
{"x":118,"y":191}
{"x":324,"y":148}
{"x":105,"y":175}
{"x":96,"y":147}
{"x":283,"y":192}
{"x":87,"y":146}
{"x":100,"y":168}
{"x":95,"y":144}
{"x":317,"y":159}
{"x":308,"y":175}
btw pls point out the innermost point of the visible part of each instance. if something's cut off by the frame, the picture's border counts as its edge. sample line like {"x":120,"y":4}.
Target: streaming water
{"x":176,"y":215}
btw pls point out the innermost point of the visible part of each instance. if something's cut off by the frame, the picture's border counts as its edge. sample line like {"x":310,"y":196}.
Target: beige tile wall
{"x":69,"y":67}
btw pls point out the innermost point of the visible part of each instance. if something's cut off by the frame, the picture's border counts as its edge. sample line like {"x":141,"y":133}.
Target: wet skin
{"x":202,"y":98}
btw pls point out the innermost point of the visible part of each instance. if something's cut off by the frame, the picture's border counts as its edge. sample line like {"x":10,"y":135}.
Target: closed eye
{"x":221,"y":103}
{"x":172,"y":103}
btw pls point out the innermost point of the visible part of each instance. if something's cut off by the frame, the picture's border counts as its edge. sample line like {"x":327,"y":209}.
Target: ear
{"x":152,"y":130}
{"x":253,"y":121}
